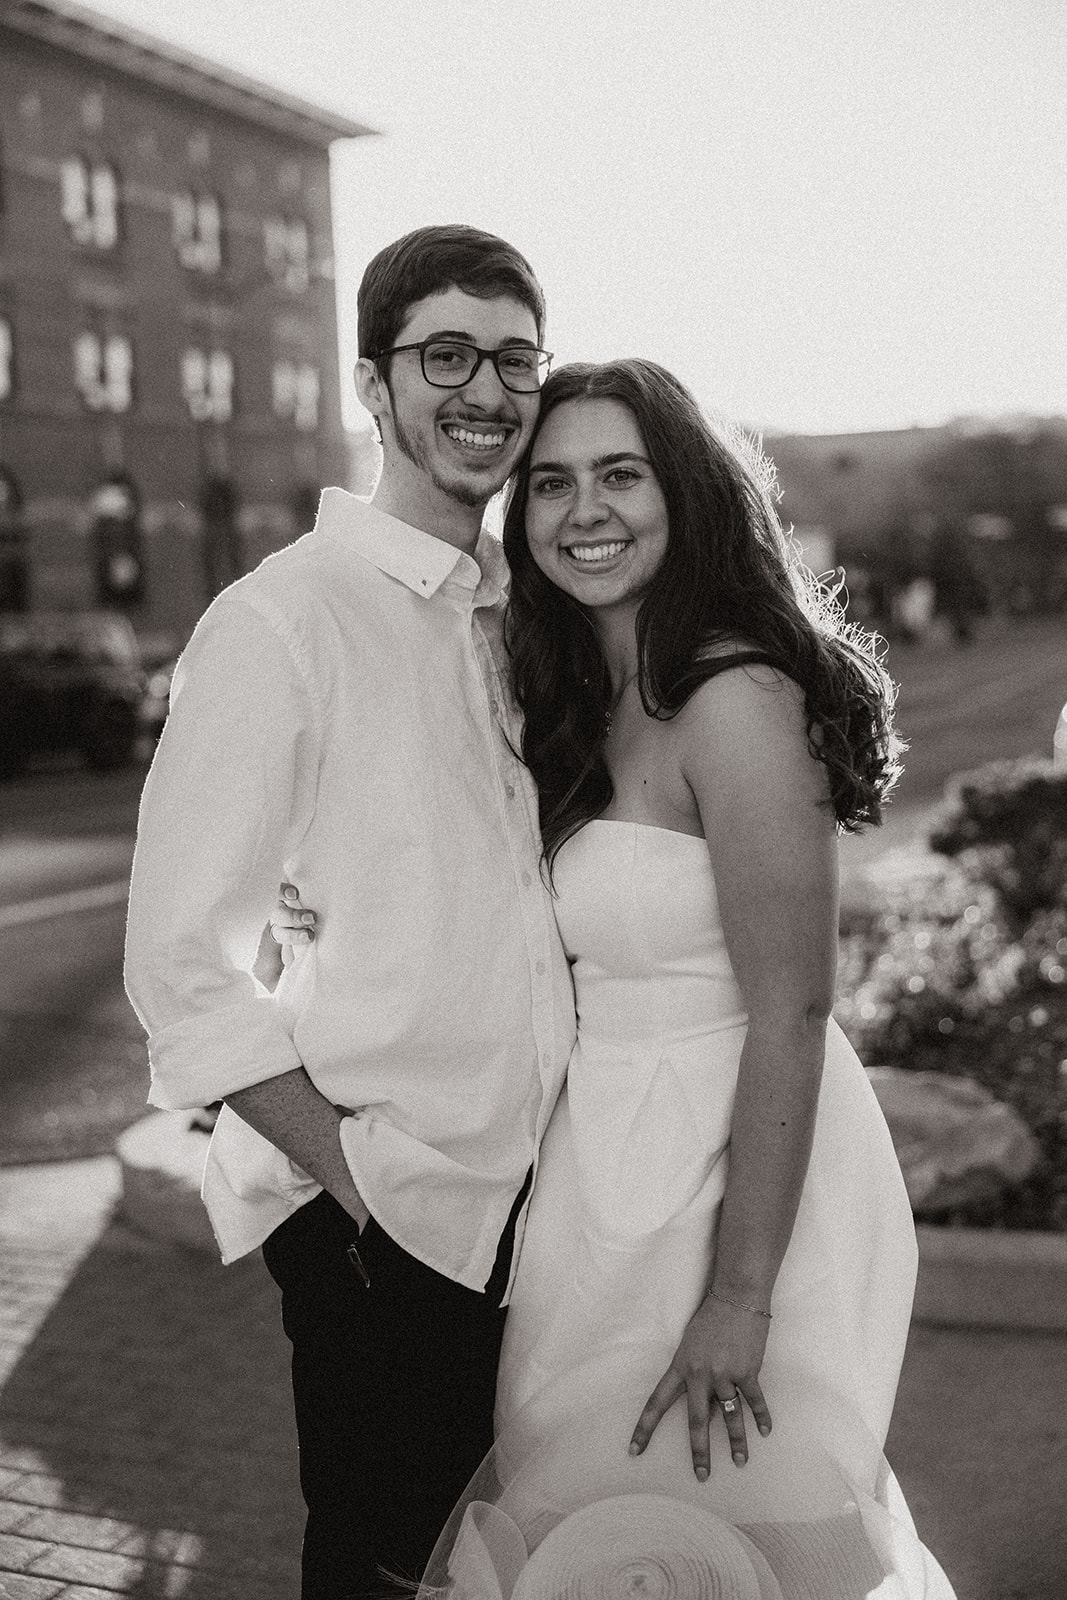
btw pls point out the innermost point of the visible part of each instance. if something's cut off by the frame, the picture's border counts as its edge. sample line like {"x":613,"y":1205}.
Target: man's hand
{"x":717,"y":1362}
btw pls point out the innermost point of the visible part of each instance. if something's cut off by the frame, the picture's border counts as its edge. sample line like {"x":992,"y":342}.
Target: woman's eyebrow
{"x":600,"y":461}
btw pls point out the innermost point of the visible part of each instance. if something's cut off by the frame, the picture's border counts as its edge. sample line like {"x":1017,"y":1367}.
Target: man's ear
{"x":371,"y":389}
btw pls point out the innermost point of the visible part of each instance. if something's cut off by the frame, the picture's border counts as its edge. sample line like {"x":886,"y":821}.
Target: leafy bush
{"x":1006,"y":826}
{"x":968,"y":974}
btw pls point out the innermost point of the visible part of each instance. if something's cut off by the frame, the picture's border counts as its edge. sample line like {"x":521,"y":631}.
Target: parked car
{"x":156,"y":702}
{"x":69,"y":681}
{"x":1059,"y":740}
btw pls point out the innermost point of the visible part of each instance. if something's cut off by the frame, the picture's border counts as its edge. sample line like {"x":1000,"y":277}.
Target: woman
{"x":719,"y":1216}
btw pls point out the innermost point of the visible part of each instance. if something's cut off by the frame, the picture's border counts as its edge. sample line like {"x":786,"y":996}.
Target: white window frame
{"x":7,"y":359}
{"x":90,"y":199}
{"x":208,"y":384}
{"x":287,"y":252}
{"x":197,"y":231}
{"x":295,"y":390}
{"x":103,"y":370}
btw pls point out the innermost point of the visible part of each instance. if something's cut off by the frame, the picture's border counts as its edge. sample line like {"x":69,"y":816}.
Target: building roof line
{"x":87,"y":33}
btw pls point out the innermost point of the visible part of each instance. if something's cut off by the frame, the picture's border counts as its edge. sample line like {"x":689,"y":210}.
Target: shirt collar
{"x":412,"y":557}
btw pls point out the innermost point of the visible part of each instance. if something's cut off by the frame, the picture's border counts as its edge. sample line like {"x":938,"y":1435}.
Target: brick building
{"x":169,"y":400}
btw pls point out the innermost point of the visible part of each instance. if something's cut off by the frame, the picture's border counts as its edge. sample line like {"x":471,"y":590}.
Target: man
{"x":342,"y":717}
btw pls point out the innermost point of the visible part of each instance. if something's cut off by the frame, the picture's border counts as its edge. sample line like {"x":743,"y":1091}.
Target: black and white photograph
{"x":533,"y":800}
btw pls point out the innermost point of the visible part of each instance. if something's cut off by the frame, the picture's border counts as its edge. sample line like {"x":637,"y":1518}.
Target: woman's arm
{"x":742,"y":749}
{"x":289,"y":1110}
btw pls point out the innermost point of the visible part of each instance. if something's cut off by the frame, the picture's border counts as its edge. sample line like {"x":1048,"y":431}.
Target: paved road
{"x":73,"y":1057}
{"x":996,"y":699}
{"x":979,"y":1443}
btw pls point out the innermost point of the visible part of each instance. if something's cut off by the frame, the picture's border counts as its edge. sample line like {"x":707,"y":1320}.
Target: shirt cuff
{"x":205,"y":1057}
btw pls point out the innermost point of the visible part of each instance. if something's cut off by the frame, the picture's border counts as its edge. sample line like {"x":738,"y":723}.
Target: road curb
{"x":992,"y":1278}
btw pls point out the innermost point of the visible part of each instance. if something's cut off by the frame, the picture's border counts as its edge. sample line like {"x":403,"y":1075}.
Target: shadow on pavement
{"x":154,"y":1395}
{"x":979,"y":1443}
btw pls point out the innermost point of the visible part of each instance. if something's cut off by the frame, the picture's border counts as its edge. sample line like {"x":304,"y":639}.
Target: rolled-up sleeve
{"x":221,"y":809}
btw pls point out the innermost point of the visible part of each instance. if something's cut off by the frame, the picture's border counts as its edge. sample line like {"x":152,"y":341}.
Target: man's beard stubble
{"x":463,"y":493}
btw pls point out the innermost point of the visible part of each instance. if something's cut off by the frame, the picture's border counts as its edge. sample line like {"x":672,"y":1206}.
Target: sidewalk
{"x":146,"y":1446}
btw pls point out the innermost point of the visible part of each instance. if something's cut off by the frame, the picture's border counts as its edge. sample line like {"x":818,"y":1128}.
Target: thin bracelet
{"x":740,"y":1304}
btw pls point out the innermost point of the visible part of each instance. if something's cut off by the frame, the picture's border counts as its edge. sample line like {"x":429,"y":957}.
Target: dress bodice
{"x":638,"y":914}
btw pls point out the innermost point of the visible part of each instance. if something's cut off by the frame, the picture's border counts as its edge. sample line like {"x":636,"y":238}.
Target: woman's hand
{"x":717,"y":1363}
{"x":292,"y":925}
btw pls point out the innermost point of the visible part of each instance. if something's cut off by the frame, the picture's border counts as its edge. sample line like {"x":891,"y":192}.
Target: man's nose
{"x":484,"y":386}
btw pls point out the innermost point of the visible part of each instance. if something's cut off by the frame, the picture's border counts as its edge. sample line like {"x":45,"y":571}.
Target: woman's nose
{"x":588,"y":508}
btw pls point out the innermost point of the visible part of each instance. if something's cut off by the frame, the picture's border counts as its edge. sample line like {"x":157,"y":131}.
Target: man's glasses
{"x":449,"y":364}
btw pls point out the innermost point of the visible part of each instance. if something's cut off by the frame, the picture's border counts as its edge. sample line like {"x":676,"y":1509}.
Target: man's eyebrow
{"x":601,"y":461}
{"x":508,"y":343}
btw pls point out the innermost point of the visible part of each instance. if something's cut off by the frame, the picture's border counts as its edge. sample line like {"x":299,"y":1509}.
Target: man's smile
{"x":478,"y":436}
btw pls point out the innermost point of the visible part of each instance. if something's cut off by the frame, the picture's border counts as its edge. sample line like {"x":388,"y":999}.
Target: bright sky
{"x":824,"y":216}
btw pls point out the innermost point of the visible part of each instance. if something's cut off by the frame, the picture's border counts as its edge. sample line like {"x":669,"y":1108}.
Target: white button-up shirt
{"x":342,"y":718}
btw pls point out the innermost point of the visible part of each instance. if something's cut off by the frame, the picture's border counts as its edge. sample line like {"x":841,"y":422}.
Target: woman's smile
{"x":596,"y":555}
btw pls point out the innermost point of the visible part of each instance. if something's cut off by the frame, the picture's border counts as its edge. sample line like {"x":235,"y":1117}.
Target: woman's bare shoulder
{"x":743,"y":687}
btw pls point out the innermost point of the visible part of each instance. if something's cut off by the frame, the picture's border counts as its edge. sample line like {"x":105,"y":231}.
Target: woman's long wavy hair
{"x":731,"y":591}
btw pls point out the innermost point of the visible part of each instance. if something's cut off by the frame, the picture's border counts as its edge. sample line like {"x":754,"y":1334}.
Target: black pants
{"x":393,"y":1385}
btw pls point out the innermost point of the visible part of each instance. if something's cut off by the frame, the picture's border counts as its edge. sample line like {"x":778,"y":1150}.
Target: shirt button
{"x":509,"y":790}
{"x":494,"y":706}
{"x":540,"y":969}
{"x":527,"y":880}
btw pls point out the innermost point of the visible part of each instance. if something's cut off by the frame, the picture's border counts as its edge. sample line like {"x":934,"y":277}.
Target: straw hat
{"x":645,"y":1547}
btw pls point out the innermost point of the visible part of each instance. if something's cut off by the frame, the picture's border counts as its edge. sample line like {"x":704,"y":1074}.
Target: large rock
{"x":956,"y":1143}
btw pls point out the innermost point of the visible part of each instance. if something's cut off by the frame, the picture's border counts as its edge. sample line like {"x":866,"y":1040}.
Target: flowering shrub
{"x":1006,"y":826}
{"x":968,"y":974}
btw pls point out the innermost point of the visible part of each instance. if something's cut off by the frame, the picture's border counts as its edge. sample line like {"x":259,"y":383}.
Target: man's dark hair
{"x":434,"y":259}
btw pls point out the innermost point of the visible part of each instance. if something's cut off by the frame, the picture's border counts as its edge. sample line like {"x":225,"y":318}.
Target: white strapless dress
{"x":621,"y":1229}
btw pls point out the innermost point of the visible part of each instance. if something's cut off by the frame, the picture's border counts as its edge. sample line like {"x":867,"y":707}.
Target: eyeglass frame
{"x":482,"y":355}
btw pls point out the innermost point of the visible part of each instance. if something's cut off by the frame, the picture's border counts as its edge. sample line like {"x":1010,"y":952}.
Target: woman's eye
{"x":622,"y":475}
{"x":549,"y":485}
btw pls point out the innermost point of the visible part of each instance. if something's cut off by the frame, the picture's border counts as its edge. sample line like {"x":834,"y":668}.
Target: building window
{"x":92,"y":110}
{"x":103,"y":371}
{"x":117,"y":542}
{"x":296,"y":393}
{"x":91,"y":202}
{"x":286,"y":247}
{"x":7,"y":360}
{"x":207,"y":384}
{"x":197,"y":220}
